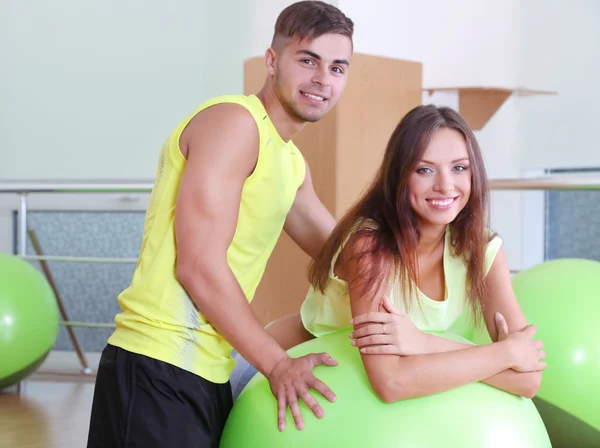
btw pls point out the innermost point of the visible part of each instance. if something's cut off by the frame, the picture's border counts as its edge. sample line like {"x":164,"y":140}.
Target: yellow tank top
{"x":158,"y":318}
{"x":326,"y":313}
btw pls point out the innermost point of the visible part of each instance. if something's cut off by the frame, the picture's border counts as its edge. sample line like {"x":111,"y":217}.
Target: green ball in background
{"x":475,"y":415}
{"x":562,"y":299}
{"x":29,"y":319}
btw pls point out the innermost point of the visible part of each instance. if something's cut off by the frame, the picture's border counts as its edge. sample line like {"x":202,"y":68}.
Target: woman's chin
{"x":438,"y":220}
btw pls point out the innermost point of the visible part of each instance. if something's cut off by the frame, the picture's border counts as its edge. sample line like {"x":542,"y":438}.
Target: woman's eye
{"x":424,"y":170}
{"x":460,"y":168}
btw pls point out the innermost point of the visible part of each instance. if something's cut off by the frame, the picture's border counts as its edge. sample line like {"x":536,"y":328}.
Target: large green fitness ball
{"x":562,"y":299}
{"x":475,"y":415}
{"x":28,"y":319}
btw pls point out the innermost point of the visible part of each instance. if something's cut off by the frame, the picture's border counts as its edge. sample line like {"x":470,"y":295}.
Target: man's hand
{"x":292,"y":378}
{"x":388,"y":333}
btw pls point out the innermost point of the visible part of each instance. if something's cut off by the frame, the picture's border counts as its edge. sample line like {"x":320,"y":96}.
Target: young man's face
{"x":310,"y":76}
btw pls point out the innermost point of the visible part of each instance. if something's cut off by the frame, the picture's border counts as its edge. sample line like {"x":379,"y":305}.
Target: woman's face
{"x":440,"y":186}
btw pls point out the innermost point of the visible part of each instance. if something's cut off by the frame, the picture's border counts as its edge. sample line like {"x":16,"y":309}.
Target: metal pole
{"x":35,"y":242}
{"x":23,"y":225}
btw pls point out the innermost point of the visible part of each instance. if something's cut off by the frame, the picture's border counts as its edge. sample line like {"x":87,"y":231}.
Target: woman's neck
{"x":432,"y":237}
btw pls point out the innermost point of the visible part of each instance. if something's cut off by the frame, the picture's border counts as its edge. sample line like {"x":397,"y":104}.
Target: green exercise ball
{"x":464,"y":326}
{"x":562,"y":299}
{"x":475,"y":415}
{"x":28,"y":319}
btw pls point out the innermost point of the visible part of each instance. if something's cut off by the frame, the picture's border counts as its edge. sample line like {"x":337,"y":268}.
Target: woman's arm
{"x":524,"y":384}
{"x":396,"y":378}
{"x":402,"y":339}
{"x":500,"y":298}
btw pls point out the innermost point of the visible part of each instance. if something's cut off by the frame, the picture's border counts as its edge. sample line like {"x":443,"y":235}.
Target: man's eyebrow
{"x":319,"y":58}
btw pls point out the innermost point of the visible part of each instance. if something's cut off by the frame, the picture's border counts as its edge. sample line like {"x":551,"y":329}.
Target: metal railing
{"x":24,"y":189}
{"x":555,"y":182}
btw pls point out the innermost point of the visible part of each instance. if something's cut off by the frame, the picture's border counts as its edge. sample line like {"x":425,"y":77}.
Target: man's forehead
{"x":328,"y":47}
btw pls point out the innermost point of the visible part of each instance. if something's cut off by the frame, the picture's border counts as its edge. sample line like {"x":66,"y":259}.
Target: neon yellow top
{"x":326,"y":313}
{"x":159,"y":319}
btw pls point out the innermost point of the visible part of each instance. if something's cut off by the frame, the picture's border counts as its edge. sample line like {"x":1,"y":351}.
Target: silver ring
{"x":382,"y":328}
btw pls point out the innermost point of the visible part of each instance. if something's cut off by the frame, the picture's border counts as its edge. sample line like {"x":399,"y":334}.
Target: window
{"x":572,"y":221}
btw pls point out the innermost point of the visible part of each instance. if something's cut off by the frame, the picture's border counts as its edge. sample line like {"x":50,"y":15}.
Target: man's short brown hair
{"x":311,"y":19}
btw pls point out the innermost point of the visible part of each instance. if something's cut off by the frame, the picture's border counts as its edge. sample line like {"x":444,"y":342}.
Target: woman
{"x":412,"y":256}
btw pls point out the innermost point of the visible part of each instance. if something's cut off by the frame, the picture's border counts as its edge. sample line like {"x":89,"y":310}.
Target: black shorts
{"x":142,"y":402}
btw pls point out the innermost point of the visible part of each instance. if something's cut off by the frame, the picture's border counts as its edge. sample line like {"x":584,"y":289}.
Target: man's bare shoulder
{"x":231,"y":124}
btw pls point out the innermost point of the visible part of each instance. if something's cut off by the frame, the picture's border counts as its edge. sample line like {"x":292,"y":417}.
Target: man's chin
{"x":310,"y":118}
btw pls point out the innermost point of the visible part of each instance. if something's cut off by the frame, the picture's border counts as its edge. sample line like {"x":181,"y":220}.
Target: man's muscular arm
{"x":221,"y":145}
{"x":309,"y":223}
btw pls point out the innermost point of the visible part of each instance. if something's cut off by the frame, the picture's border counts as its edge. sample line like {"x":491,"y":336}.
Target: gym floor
{"x":53,"y":407}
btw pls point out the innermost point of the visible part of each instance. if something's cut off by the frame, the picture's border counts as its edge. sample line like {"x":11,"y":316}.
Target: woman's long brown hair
{"x":394,"y":234}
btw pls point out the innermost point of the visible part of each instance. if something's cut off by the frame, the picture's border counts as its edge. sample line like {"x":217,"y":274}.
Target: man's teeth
{"x":313,"y":97}
{"x":442,"y":203}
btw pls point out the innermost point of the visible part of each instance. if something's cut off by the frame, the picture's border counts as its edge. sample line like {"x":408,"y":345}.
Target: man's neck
{"x":287,"y":127}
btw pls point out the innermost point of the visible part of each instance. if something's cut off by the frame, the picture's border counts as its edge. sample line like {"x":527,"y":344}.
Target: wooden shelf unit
{"x":478,"y":104}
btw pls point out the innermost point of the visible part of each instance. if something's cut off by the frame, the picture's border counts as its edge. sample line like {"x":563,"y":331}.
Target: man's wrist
{"x":274,"y":361}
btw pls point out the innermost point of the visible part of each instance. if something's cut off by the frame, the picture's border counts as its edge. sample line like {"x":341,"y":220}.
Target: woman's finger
{"x":501,"y":326}
{"x":380,"y":350}
{"x":389,"y":306}
{"x":380,"y":339}
{"x":373,"y":317}
{"x":371,"y":330}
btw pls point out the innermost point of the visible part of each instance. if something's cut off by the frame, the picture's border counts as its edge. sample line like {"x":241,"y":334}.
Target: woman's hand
{"x":388,"y":333}
{"x":526,"y":352}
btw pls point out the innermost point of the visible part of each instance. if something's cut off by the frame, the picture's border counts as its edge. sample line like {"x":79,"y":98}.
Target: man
{"x":229,"y":180}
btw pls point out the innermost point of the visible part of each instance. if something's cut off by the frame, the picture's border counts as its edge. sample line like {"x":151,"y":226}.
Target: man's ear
{"x":270,"y":60}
